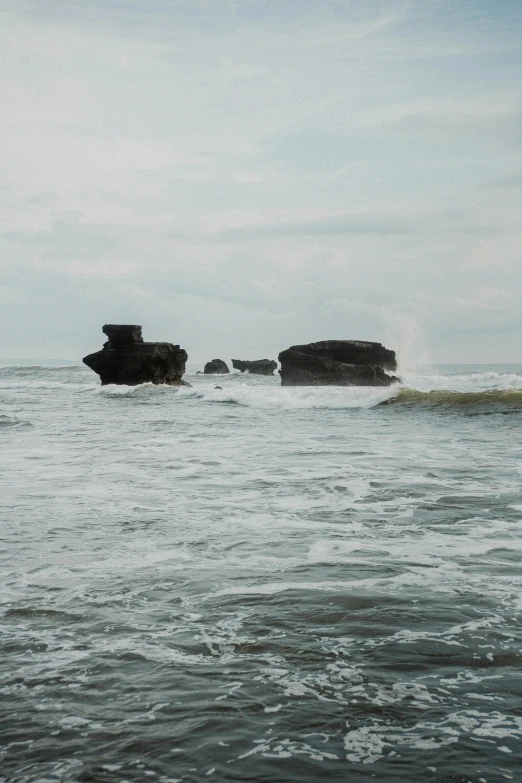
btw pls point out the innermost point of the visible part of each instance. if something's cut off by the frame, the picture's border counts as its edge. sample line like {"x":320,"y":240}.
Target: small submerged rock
{"x":337,"y":363}
{"x":216,"y":367}
{"x":257,"y":367}
{"x":126,"y":359}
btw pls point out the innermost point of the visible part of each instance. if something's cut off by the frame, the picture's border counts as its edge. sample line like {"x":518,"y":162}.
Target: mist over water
{"x":260,"y":583}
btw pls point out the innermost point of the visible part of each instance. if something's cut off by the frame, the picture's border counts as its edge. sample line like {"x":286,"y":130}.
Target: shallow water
{"x":258,"y":583}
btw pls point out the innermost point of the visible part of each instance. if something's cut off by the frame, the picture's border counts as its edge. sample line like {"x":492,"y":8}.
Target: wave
{"x":362,"y":397}
{"x":293,"y":398}
{"x":8,"y":421}
{"x":484,"y":401}
{"x":137,"y":390}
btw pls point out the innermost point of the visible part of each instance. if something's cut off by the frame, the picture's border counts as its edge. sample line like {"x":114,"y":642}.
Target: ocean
{"x":258,"y":583}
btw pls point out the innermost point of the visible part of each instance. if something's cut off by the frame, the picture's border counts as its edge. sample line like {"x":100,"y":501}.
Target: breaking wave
{"x":141,"y":390}
{"x":293,"y":398}
{"x":465,"y":392}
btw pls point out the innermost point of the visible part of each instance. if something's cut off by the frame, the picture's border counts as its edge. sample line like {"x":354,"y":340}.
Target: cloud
{"x":492,"y":118}
{"x":510,"y":181}
{"x":68,"y":236}
{"x":380,"y":225}
{"x":98,"y":268}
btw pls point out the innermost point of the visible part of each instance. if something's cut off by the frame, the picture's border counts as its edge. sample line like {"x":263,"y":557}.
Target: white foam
{"x":463,"y":382}
{"x":139,"y":390}
{"x":294,"y":398}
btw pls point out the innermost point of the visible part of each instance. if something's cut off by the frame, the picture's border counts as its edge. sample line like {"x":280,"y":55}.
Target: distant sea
{"x":261,"y":584}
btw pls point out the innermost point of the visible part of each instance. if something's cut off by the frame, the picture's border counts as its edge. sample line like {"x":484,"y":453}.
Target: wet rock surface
{"x":126,"y":359}
{"x":337,"y":363}
{"x":216,"y":367}
{"x":257,"y":367}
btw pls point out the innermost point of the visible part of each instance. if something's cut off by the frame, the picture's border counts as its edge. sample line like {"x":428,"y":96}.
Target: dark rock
{"x":122,"y":335}
{"x":258,"y":367}
{"x":126,"y":358}
{"x":215,"y":367}
{"x":218,"y":387}
{"x":337,"y":363}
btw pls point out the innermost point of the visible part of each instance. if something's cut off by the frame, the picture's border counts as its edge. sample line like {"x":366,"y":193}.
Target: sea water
{"x":258,"y":583}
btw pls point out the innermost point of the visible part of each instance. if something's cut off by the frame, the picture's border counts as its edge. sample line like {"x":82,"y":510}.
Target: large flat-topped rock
{"x":127,"y":359}
{"x":337,"y":363}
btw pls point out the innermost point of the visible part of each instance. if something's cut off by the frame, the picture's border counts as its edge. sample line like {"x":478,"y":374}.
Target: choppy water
{"x":260,"y":584}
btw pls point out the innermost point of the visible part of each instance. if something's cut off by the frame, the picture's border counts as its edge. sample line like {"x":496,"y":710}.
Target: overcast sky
{"x":242,"y":175}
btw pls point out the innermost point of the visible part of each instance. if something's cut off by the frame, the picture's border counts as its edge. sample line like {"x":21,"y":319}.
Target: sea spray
{"x":405,"y":333}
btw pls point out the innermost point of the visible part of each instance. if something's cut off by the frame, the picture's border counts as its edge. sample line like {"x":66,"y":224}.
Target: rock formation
{"x":258,"y":367}
{"x":337,"y":363}
{"x":215,"y":367}
{"x":126,"y":358}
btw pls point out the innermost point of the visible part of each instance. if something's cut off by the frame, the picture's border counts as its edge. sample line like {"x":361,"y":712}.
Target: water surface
{"x":260,"y":583}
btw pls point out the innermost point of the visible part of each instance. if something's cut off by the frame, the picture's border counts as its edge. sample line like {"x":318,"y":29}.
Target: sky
{"x":239,"y":176}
